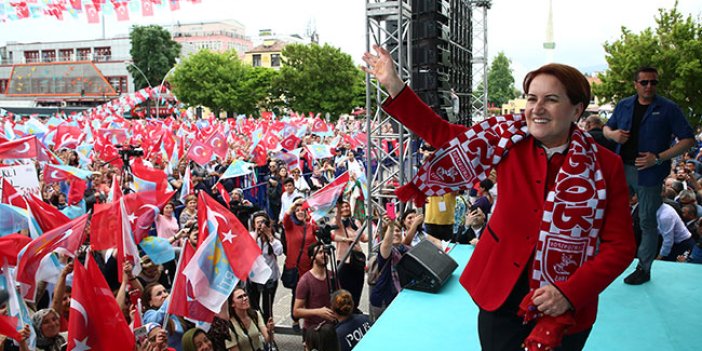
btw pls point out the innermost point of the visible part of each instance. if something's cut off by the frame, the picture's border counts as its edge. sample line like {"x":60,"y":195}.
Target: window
{"x":4,"y":83}
{"x":103,"y":54}
{"x":66,"y":55}
{"x":83,"y":54}
{"x":256,"y":60}
{"x":118,"y":83}
{"x":31,"y":56}
{"x":275,"y":60}
{"x":48,"y":55}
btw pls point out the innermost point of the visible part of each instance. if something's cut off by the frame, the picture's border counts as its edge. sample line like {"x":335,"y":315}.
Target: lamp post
{"x":143,"y":75}
{"x":158,"y":93}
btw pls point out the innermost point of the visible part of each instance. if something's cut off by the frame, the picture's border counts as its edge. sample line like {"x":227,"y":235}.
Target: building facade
{"x":215,"y":36}
{"x":66,"y":73}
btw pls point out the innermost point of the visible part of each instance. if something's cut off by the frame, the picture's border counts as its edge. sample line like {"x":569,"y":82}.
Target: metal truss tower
{"x":479,"y":60}
{"x":388,"y":153}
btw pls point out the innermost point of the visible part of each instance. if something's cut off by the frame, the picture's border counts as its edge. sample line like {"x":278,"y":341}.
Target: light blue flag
{"x":141,"y":185}
{"x":75,"y":211}
{"x":209,"y":272}
{"x":159,"y":250}
{"x":35,"y":127}
{"x":54,"y":121}
{"x":237,"y":168}
{"x":17,"y":307}
{"x":12,"y":219}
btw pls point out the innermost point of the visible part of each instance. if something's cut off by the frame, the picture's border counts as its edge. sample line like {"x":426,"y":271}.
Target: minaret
{"x":549,"y":44}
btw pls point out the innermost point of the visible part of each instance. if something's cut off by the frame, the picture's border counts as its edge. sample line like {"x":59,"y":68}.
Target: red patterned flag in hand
{"x":218,"y":144}
{"x":175,"y":5}
{"x":323,"y":200}
{"x":182,"y":303}
{"x":290,"y":142}
{"x":10,"y":195}
{"x":200,"y":152}
{"x":318,"y":126}
{"x":10,"y":245}
{"x":223,"y":193}
{"x":48,"y":217}
{"x":77,"y":4}
{"x":95,"y":320}
{"x":26,"y":147}
{"x":66,"y":238}
{"x":240,"y":248}
{"x":68,"y":136}
{"x":142,"y":209}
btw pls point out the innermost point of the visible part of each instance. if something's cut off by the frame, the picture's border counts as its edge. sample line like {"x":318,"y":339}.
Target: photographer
{"x":475,"y":224}
{"x":271,"y":248}
{"x":299,"y":236}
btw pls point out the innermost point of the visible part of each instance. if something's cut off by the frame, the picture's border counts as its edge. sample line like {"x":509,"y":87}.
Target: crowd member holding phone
{"x":261,"y":296}
{"x":387,"y":285}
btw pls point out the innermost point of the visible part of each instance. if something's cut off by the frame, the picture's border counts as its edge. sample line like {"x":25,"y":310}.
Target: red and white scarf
{"x":573,"y":211}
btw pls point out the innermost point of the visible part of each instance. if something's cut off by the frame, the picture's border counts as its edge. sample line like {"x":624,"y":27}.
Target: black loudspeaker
{"x":425,"y":268}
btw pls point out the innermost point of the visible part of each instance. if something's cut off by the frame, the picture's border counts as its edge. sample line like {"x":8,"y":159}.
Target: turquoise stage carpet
{"x":661,"y":315}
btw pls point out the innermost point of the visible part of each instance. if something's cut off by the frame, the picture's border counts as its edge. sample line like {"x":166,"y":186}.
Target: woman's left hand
{"x":550,"y":301}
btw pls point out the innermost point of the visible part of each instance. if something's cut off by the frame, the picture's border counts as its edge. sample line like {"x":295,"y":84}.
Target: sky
{"x":515,"y":27}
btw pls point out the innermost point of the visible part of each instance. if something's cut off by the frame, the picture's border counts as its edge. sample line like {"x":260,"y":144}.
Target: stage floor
{"x":663,"y":314}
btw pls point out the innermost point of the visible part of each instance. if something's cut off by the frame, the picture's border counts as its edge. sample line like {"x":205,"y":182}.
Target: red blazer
{"x":507,"y":245}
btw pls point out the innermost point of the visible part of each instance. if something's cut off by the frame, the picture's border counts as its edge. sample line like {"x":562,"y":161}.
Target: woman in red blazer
{"x":511,"y":265}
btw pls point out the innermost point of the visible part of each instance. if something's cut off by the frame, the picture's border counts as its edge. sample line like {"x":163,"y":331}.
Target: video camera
{"x":127,"y":151}
{"x":324,"y":232}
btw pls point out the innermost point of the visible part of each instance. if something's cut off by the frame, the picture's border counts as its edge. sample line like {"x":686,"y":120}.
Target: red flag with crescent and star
{"x":95,"y":321}
{"x":200,"y":152}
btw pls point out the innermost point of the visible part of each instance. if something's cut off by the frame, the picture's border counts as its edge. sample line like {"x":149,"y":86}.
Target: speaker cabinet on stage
{"x":425,"y":267}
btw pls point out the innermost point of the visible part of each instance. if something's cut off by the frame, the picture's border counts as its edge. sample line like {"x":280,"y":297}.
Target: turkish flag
{"x":182,"y":303}
{"x":290,"y":142}
{"x":239,"y":247}
{"x":92,"y":13}
{"x":157,"y":176}
{"x":223,"y":193}
{"x":218,"y":143}
{"x":122,"y":10}
{"x":77,"y":4}
{"x":76,"y":191}
{"x":147,"y":9}
{"x":8,"y":327}
{"x":22,"y":9}
{"x":319,"y":126}
{"x":95,"y":321}
{"x":20,"y":148}
{"x":66,"y":238}
{"x":260,"y":157}
{"x":142,"y":209}
{"x":48,"y":217}
{"x":175,"y":5}
{"x":68,"y":136}
{"x":200,"y":152}
{"x":10,"y":195}
{"x":105,"y":226}
{"x":10,"y":245}
{"x":270,"y":141}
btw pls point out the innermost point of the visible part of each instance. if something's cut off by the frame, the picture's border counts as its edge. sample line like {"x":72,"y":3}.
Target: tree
{"x":220,"y":81}
{"x":674,"y":48}
{"x":318,"y":78}
{"x":500,"y":81}
{"x":153,"y":52}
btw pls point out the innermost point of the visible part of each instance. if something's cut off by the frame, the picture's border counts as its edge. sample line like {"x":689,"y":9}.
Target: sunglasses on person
{"x":645,"y":82}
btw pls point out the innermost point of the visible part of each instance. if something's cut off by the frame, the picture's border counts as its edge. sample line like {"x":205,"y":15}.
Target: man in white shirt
{"x":676,"y":238}
{"x":288,"y":197}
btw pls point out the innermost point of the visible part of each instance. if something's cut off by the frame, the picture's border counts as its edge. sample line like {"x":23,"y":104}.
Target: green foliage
{"x":153,"y":52}
{"x":222,"y":82}
{"x":674,"y":48}
{"x":318,"y":78}
{"x":500,"y":81}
